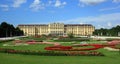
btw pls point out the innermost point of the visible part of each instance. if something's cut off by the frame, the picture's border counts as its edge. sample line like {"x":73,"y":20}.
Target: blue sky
{"x":100,"y":13}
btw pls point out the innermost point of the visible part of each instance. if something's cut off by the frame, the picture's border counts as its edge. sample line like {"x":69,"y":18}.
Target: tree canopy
{"x":114,"y":31}
{"x":8,"y":30}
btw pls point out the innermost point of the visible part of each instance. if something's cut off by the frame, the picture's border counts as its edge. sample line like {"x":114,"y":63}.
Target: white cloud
{"x":37,"y":5}
{"x":18,"y":3}
{"x":100,"y":26}
{"x":103,"y":20}
{"x":116,"y":1}
{"x":58,"y":3}
{"x":112,"y":8}
{"x":90,"y":2}
{"x":82,"y":23}
{"x":109,"y":24}
{"x":4,"y":7}
{"x":49,"y":2}
{"x":64,"y":3}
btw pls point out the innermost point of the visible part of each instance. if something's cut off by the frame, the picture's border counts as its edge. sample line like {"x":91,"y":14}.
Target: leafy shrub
{"x":111,"y":39}
{"x":50,"y":53}
{"x":2,"y":41}
{"x":72,"y":39}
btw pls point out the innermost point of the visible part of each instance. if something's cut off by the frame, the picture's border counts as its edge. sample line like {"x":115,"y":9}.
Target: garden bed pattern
{"x":71,"y":48}
{"x":58,"y":49}
{"x":51,"y":53}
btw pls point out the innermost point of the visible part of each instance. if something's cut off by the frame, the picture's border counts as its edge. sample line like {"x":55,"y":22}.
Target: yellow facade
{"x":59,"y":29}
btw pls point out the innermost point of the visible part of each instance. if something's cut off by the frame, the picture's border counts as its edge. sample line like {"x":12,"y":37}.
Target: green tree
{"x":18,"y":32}
{"x":70,"y":35}
{"x":107,"y":32}
{"x":4,"y":29}
{"x":8,"y":30}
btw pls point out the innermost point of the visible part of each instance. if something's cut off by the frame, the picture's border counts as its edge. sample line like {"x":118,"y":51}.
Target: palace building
{"x":59,"y":29}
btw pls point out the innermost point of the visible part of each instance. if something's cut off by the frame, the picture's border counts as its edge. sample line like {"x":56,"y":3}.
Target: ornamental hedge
{"x":72,"y":39}
{"x":51,"y":53}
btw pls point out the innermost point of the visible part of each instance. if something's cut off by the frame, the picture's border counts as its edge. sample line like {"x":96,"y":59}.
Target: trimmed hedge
{"x":111,"y":39}
{"x":2,"y":41}
{"x":51,"y":53}
{"x":72,"y":39}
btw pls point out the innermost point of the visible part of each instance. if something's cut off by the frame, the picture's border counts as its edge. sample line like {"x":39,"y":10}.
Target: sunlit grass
{"x":5,"y":58}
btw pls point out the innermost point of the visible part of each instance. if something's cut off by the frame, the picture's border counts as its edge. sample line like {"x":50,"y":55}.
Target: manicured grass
{"x":35,"y":47}
{"x":5,"y":58}
{"x":31,"y":59}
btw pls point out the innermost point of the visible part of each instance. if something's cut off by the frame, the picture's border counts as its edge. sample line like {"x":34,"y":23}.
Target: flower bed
{"x":51,"y":53}
{"x":58,"y":48}
{"x":114,"y":42}
{"x":73,"y":39}
{"x":111,"y":49}
{"x":31,"y":42}
{"x":71,"y":48}
{"x":83,"y":53}
{"x":94,"y":47}
{"x":63,"y":50}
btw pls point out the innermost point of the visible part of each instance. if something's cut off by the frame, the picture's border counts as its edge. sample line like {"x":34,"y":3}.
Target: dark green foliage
{"x":2,"y":41}
{"x":72,"y":39}
{"x":18,"y":32}
{"x":8,"y":30}
{"x":107,"y":32}
{"x":50,"y":53}
{"x":70,"y":35}
{"x":111,"y":39}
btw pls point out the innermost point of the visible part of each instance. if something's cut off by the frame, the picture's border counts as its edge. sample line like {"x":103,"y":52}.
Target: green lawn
{"x":5,"y":58}
{"x":31,"y":59}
